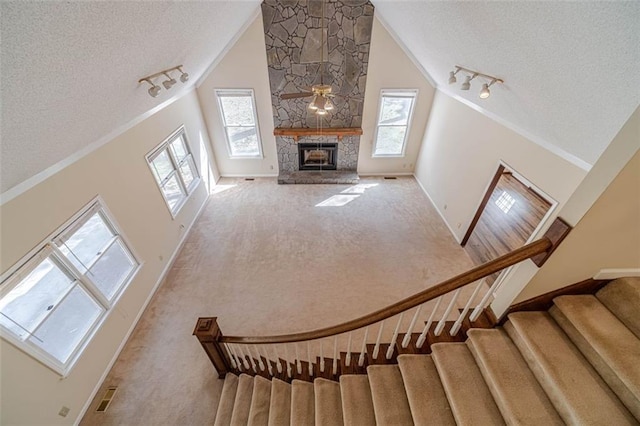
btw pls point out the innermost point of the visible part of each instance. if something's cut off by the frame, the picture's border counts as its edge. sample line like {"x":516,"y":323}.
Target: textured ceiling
{"x":70,"y":70}
{"x":571,"y":69}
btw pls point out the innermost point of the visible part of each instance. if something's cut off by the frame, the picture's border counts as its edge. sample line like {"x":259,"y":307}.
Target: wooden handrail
{"x":537,"y":247}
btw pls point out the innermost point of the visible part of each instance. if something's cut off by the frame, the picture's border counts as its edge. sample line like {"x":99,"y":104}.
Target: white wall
{"x":461,"y":152}
{"x":390,"y":68}
{"x":607,"y":234}
{"x":32,"y":393}
{"x":243,"y":67}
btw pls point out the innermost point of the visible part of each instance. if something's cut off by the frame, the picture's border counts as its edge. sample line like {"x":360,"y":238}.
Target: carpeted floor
{"x":267,"y":259}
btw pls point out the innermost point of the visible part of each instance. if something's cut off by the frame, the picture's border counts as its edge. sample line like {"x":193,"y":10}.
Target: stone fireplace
{"x":293,"y":34}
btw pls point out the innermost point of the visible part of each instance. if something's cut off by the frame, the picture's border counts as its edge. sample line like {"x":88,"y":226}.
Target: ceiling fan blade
{"x":295,"y":95}
{"x":348,"y":97}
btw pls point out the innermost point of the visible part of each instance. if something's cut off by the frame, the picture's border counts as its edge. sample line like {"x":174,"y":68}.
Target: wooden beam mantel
{"x":340,"y":132}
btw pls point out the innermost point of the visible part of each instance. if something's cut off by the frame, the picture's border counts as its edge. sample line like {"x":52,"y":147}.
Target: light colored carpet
{"x":357,"y":405}
{"x":388,"y":394}
{"x":622,"y":297}
{"x":571,"y":383}
{"x":519,"y":396}
{"x":264,"y":258}
{"x":469,"y":397}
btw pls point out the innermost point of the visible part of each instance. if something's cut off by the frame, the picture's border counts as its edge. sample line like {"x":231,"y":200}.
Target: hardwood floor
{"x":509,"y":218}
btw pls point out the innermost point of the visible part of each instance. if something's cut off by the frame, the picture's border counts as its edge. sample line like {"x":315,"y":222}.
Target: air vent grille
{"x":107,"y":398}
{"x":390,"y":177}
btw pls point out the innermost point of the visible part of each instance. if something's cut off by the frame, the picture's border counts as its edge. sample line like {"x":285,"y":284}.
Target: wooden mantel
{"x":335,"y":131}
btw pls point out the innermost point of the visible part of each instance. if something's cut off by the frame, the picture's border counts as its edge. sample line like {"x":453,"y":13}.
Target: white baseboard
{"x":139,"y":315}
{"x":611,"y":274}
{"x":438,"y":210}
{"x":385,"y":174}
{"x":250,"y":175}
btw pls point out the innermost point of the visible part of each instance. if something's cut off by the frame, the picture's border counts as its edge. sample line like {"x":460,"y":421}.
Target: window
{"x":55,"y":300}
{"x":174,"y":169}
{"x":396,"y":109}
{"x":238,"y":111}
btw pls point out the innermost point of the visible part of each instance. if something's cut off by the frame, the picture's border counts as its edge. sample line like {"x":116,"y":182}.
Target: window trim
{"x":240,"y":92}
{"x":47,"y":249}
{"x":180,"y":132}
{"x":398,"y":93}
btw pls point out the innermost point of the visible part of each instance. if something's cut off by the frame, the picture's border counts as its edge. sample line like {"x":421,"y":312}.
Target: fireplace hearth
{"x":313,"y":156}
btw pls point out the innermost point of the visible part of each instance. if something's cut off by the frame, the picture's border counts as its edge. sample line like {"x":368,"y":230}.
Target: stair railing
{"x":408,"y":326}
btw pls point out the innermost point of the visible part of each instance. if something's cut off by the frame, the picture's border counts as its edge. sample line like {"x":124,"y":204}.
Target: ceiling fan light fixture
{"x":328,"y":105}
{"x":313,"y":104}
{"x":321,"y":112}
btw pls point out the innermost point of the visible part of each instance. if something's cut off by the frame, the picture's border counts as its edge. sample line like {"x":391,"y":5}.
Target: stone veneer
{"x":293,"y":39}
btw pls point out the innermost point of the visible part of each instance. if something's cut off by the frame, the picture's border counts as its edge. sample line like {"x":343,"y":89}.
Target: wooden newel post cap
{"x":207,"y":329}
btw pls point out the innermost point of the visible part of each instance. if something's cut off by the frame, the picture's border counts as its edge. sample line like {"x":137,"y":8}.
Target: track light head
{"x":154,"y":90}
{"x":184,"y":77}
{"x":467,"y":83}
{"x":485,"y":92}
{"x":452,"y":77}
{"x":169,"y":83}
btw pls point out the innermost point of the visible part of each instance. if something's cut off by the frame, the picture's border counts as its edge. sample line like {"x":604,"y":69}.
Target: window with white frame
{"x":239,"y":118}
{"x":56,"y":298}
{"x":175,"y":171}
{"x":394,"y":119}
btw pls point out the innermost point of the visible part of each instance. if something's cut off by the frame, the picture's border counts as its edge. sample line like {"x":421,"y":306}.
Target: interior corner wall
{"x":607,"y":235}
{"x":391,"y":68}
{"x":30,"y":392}
{"x":460,"y":154}
{"x":243,"y":67}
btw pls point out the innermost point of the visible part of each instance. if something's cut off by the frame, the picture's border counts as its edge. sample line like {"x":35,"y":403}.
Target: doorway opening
{"x":509,"y":215}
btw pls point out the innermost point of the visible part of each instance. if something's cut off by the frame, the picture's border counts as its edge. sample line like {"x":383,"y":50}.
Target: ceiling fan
{"x":321,"y":103}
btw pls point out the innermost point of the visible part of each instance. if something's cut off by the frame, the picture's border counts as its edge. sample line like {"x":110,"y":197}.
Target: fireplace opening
{"x":315,"y":156}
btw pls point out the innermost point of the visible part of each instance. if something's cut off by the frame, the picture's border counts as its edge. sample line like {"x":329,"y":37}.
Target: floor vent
{"x":107,"y":398}
{"x":390,"y":177}
{"x":249,"y":178}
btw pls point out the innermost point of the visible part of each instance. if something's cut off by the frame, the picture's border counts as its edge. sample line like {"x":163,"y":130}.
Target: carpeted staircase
{"x":578,"y":363}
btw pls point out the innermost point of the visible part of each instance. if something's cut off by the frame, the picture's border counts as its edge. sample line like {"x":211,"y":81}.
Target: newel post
{"x":208,"y":334}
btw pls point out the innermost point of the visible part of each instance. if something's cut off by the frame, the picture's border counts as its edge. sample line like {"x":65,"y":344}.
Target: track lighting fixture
{"x":154,"y":90}
{"x":485,"y":92}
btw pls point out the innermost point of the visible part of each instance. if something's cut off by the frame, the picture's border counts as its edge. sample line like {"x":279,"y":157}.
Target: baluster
{"x":425,"y":331}
{"x":278,"y":363}
{"x":241,"y":360}
{"x":443,"y":321}
{"x":251,"y":364}
{"x":456,"y":326}
{"x":392,"y":344}
{"x":335,"y":356}
{"x":321,"y":357}
{"x":376,"y":348}
{"x":286,"y":355}
{"x":230,"y":355}
{"x":309,"y":358}
{"x":259,"y":358}
{"x":407,"y":337}
{"x":364,"y":347}
{"x":478,"y":310}
{"x":266,"y":357}
{"x":348,"y":359}
{"x":298,"y":363}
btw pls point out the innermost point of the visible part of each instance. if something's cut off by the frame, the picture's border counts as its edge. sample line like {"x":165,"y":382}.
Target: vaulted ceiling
{"x":69,"y":70}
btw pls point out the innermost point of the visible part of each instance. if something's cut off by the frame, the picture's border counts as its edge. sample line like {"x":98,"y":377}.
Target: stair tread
{"x":622,"y":297}
{"x":424,"y":390}
{"x":280,"y":403}
{"x":242,"y":404}
{"x":302,"y":403}
{"x":357,"y":403}
{"x":607,"y":343}
{"x":469,"y":397}
{"x":517,"y":393}
{"x":260,"y":400}
{"x":574,"y":387}
{"x":390,"y":402}
{"x":227,"y":400}
{"x":328,"y":402}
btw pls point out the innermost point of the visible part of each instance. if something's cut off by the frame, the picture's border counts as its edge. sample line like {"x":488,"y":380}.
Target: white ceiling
{"x":69,"y":70}
{"x":571,"y":69}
